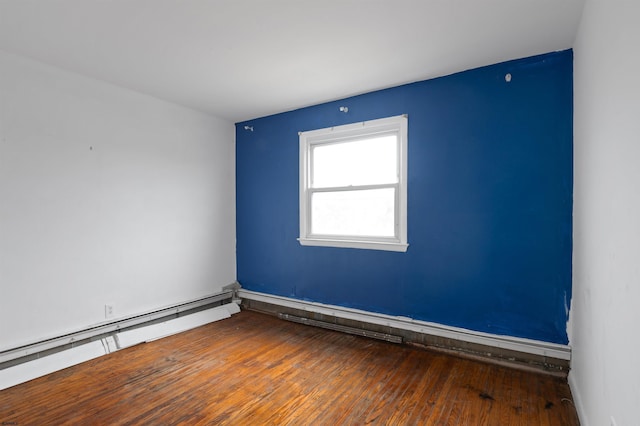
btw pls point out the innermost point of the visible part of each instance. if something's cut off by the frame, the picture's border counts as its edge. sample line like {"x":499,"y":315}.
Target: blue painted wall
{"x":489,"y":203}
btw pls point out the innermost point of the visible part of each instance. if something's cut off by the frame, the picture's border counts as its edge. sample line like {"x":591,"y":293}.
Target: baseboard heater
{"x":342,"y":328}
{"x":67,"y":341}
{"x":513,"y":351}
{"x":28,"y":362}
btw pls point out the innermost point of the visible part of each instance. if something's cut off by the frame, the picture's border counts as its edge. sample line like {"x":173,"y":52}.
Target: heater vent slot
{"x":342,"y":328}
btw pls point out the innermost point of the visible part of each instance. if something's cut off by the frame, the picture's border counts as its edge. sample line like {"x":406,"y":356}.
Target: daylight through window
{"x":353,"y":185}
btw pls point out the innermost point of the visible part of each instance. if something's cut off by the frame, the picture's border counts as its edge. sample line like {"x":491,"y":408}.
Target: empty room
{"x":407,"y":212}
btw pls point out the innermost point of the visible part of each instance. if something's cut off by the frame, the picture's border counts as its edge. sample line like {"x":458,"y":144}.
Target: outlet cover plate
{"x":108,"y":311}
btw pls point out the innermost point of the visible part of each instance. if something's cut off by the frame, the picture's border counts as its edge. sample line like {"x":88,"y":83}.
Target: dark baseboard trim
{"x":481,"y":352}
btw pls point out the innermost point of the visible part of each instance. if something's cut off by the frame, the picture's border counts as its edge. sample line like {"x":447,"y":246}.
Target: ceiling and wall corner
{"x":244,"y":59}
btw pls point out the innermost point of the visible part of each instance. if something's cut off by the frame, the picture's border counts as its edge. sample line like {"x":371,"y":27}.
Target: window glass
{"x":361,"y":162}
{"x":353,"y":185}
{"x":361,"y":213}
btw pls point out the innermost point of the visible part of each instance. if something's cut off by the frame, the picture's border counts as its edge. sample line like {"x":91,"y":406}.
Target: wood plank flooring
{"x":259,"y":370}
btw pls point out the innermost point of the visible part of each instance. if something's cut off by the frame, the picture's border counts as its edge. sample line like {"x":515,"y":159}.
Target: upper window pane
{"x":369,"y":161}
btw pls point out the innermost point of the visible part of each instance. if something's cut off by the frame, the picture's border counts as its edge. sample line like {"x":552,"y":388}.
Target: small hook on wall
{"x":344,"y":109}
{"x":250,"y":128}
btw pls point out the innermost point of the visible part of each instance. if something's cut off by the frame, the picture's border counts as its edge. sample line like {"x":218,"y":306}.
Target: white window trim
{"x":310,"y":138}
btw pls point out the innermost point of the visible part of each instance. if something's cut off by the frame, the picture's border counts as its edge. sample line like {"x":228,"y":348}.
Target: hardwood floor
{"x":259,"y":370}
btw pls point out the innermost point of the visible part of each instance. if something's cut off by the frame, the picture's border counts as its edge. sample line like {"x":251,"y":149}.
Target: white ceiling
{"x":242,"y":59}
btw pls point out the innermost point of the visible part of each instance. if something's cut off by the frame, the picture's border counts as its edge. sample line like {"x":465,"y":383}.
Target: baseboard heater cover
{"x":38,"y":367}
{"x":342,"y":328}
{"x":110,"y":327}
{"x":174,"y":326}
{"x":527,"y":346}
{"x":22,"y":373}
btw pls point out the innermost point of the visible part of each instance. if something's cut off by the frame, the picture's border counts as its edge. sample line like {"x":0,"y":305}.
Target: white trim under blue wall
{"x":529,"y":346}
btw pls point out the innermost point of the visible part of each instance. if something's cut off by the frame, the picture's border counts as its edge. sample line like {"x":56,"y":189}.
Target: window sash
{"x":396,"y":211}
{"x":347,"y":133}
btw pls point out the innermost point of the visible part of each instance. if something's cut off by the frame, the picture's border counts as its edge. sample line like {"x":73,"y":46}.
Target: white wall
{"x":106,"y":196}
{"x":605,"y":335}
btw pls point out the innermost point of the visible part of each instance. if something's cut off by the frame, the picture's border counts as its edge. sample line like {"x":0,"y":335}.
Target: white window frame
{"x":345,"y":133}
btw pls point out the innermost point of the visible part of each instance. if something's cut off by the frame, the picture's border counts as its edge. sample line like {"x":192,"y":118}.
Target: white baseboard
{"x":528,"y":346}
{"x":48,"y":364}
{"x":577,"y":399}
{"x":42,"y":366}
{"x":111,"y":326}
{"x":174,"y":326}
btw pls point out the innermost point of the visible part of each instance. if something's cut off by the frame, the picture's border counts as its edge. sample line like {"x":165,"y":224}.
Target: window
{"x":353,"y":185}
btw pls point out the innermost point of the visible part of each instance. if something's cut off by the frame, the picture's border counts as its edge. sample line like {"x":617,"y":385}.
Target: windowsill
{"x":367,"y":245}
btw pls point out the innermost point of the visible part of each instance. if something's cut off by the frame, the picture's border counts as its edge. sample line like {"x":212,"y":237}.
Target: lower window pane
{"x":354,"y":213}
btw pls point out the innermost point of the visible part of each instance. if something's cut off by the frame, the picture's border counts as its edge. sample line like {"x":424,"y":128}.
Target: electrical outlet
{"x":108,"y":311}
